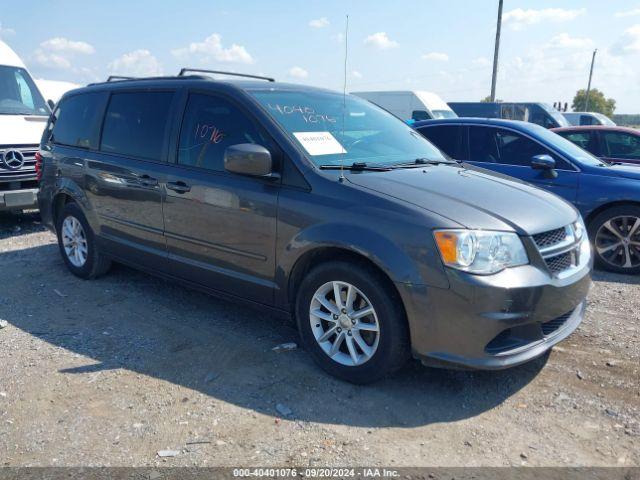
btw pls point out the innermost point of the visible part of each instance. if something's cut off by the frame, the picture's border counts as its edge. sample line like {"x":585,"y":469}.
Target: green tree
{"x":597,"y":102}
{"x":487,"y":99}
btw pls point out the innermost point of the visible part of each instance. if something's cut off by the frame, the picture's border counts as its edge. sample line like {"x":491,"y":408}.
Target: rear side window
{"x":135,"y":124}
{"x":210,"y":125}
{"x":447,"y":138}
{"x":75,"y":120}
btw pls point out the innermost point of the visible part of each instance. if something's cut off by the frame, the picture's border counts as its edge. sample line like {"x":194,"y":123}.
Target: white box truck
{"x":410,"y":105}
{"x":23,"y":116}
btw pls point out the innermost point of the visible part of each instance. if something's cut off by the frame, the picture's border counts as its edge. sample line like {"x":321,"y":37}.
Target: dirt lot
{"x":111,"y":371}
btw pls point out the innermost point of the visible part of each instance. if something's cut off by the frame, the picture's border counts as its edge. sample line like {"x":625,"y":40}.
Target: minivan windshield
{"x":19,"y":94}
{"x":335,"y":129}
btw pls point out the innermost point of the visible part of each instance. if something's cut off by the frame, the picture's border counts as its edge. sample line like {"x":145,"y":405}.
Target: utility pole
{"x":495,"y":53}
{"x":593,"y":60}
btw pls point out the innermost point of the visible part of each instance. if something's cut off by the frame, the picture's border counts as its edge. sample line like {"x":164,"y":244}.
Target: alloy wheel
{"x":344,"y":323}
{"x":618,"y":241}
{"x":74,"y":241}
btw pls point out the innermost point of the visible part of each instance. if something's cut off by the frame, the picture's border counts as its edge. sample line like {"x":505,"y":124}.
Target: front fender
{"x":401,"y":263}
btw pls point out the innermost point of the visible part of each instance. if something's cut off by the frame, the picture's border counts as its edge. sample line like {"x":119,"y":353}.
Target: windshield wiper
{"x":357,"y":166}
{"x":422,"y":161}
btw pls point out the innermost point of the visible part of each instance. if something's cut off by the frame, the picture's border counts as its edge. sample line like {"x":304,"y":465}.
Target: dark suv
{"x":321,"y":206}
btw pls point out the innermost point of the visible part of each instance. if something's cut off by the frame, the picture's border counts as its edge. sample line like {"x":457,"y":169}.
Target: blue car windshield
{"x":566,"y":147}
{"x":335,"y":130}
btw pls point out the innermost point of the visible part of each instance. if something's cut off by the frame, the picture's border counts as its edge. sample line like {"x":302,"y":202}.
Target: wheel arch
{"x":69,"y":191}
{"x":606,"y":206}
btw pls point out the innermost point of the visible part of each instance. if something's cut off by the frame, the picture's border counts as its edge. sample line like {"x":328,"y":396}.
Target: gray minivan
{"x":321,"y":206}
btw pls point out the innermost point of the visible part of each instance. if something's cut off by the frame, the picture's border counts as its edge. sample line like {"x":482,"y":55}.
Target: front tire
{"x":616,"y":239}
{"x":77,"y":244}
{"x":352,"y":322}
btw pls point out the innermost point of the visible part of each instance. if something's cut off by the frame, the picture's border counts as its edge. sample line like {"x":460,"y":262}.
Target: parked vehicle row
{"x":607,"y":195}
{"x":588,"y":118}
{"x":539,"y":113}
{"x":323,"y":207}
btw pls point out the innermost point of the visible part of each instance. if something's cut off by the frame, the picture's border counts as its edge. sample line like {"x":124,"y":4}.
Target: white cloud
{"x":319,"y":22}
{"x":519,"y":18}
{"x":629,"y":13}
{"x":298,"y":72}
{"x":212,"y":49}
{"x":339,"y":38}
{"x":57,"y":53}
{"x":381,"y":41}
{"x":481,"y":62}
{"x":628,"y":43}
{"x":436,"y":57}
{"x":6,"y":32}
{"x":64,"y":45}
{"x":564,"y":40}
{"x":356,"y":74}
{"x":138,"y":63}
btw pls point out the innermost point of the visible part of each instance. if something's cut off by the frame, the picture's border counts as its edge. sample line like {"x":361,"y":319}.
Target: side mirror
{"x":249,"y":159}
{"x":543,"y":162}
{"x":546,"y":163}
{"x":51,"y":104}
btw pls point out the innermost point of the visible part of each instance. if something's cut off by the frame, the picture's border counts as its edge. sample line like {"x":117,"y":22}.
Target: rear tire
{"x":365,"y":337}
{"x":77,"y":244}
{"x":615,"y":235}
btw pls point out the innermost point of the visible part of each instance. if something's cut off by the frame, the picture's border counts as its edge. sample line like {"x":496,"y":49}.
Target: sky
{"x":443,"y":46}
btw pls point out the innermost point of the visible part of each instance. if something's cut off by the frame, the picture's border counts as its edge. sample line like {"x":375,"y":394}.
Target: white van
{"x":23,"y":116}
{"x":410,"y":105}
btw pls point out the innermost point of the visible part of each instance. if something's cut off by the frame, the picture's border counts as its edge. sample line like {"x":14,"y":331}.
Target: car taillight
{"x":38,"y":166}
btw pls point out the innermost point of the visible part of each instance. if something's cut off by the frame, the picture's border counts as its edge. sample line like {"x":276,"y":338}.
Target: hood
{"x":472,"y":197}
{"x":21,"y":129}
{"x":623,"y":170}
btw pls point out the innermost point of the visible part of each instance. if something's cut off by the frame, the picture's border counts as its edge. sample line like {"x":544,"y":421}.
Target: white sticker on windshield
{"x":319,"y":143}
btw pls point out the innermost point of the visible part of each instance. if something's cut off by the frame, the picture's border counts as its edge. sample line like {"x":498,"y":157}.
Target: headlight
{"x":479,"y":251}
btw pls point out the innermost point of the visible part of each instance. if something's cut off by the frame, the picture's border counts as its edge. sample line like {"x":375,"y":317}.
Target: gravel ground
{"x":112,"y":371}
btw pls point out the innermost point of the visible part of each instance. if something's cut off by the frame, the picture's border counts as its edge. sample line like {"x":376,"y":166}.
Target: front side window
{"x":19,"y":94}
{"x":75,"y":121}
{"x":496,"y":145}
{"x":621,"y":145}
{"x":210,"y":125}
{"x":135,"y":124}
{"x":334,"y":129}
{"x":586,"y":120}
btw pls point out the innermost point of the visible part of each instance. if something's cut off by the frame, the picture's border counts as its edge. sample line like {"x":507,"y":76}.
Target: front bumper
{"x":18,"y":199}
{"x":496,"y":321}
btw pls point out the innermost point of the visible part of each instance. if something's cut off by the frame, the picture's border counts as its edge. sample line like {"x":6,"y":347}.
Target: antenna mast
{"x":344,"y":93}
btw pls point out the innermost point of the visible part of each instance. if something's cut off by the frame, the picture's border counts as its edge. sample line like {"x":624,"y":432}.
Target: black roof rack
{"x":233,"y":74}
{"x":113,"y":78}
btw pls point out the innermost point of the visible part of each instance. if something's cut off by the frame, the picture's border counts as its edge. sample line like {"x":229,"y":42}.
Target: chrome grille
{"x":27,"y":171}
{"x":559,"y":249}
{"x":550,"y":238}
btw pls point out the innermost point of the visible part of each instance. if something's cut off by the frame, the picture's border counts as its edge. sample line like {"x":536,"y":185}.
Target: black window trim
{"x":182,"y":112}
{"x":98,"y":121}
{"x":471,"y":124}
{"x":167,"y":129}
{"x":462,"y":143}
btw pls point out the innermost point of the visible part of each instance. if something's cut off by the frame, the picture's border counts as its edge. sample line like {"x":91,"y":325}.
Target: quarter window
{"x":210,"y":125}
{"x":135,"y":124}
{"x":75,"y":121}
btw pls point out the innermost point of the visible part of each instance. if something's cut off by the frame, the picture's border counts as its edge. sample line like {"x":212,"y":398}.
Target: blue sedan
{"x":606,"y":194}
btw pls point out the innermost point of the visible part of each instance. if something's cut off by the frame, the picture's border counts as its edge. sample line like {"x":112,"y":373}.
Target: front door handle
{"x":178,"y":187}
{"x":147,"y":181}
